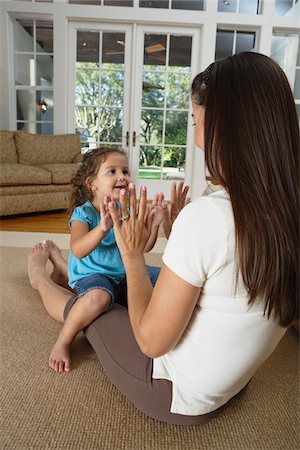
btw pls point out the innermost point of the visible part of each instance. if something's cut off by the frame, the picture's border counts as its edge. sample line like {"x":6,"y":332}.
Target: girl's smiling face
{"x":112,"y":176}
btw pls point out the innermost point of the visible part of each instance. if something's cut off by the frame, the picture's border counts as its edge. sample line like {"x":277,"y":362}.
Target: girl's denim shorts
{"x":98,"y":281}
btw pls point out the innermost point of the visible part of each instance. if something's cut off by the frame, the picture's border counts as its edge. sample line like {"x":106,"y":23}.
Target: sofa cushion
{"x":61,"y":173}
{"x":18,"y":174}
{"x":8,"y":152}
{"x":37,"y":149}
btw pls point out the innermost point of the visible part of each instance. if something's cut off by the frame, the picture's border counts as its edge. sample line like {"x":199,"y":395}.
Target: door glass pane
{"x":24,"y":69}
{"x":87,"y":87}
{"x":155,"y":51}
{"x":174,"y":163}
{"x":99,"y":87}
{"x":44,"y":36}
{"x":88,"y":48}
{"x":151,"y":131}
{"x":110,"y":125}
{"x":23,"y":35}
{"x":26,"y":106}
{"x":230,"y":42}
{"x":150,"y":162}
{"x":44,"y":102}
{"x":165,"y":103}
{"x":113,"y":49}
{"x":44,"y":70}
{"x":176,"y":124}
{"x":153,"y":89}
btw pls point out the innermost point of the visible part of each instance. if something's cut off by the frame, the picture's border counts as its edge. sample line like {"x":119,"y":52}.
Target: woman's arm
{"x":158,"y":317}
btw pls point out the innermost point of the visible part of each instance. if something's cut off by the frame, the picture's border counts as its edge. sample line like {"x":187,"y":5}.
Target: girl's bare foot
{"x":60,"y":359}
{"x":60,"y":265}
{"x":37,"y":260}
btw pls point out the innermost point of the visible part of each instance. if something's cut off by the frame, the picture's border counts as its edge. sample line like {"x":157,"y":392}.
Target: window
{"x":33,"y":75}
{"x":285,"y":51}
{"x":230,"y":42}
{"x":239,"y":6}
{"x":282,"y":7}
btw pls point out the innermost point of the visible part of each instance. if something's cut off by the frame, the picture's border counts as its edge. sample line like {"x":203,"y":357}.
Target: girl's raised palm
{"x":106,"y":222}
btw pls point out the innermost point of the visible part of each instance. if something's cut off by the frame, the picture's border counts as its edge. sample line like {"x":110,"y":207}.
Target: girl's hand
{"x":159,"y":208}
{"x":179,"y":200}
{"x":131,"y":231}
{"x":106,"y":222}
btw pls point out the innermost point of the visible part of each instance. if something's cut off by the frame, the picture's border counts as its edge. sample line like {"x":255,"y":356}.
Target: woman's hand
{"x":132,"y":230}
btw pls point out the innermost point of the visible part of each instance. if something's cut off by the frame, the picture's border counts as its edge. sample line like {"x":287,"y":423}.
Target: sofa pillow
{"x":20,"y":174}
{"x":8,"y":152}
{"x":37,"y":149}
{"x":61,"y":173}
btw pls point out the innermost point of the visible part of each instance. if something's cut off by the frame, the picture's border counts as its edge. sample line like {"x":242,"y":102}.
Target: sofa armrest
{"x":77,"y":158}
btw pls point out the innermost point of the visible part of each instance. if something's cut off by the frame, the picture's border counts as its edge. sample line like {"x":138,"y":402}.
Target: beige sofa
{"x":35,"y":171}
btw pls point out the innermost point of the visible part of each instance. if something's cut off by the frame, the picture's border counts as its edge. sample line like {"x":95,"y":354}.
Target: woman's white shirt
{"x":225,"y":341}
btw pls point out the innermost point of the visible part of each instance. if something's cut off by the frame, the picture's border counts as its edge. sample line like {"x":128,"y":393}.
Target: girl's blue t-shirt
{"x":104,"y":259}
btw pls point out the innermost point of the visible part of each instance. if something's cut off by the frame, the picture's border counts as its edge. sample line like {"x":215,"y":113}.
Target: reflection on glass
{"x":297,"y":84}
{"x":87,"y":87}
{"x":188,"y":4}
{"x":163,"y":4}
{"x":174,"y":163}
{"x":176,"y":125}
{"x":153,"y":89}
{"x":113,"y":48}
{"x":285,"y":51}
{"x":110,"y":125}
{"x":24,"y":70}
{"x":227,"y":6}
{"x":155,"y":50}
{"x":23,"y":35}
{"x":282,"y":7}
{"x":88,"y":46}
{"x":150,"y":162}
{"x":180,"y":51}
{"x":44,"y":128}
{"x":224,"y":44}
{"x":112,"y":88}
{"x":44,"y":36}
{"x":26,"y":126}
{"x":244,"y":41}
{"x":178,"y":87}
{"x":44,"y":70}
{"x":151,"y":126}
{"x":44,"y":102}
{"x":118,"y":2}
{"x":249,"y":7}
{"x":26,"y":105}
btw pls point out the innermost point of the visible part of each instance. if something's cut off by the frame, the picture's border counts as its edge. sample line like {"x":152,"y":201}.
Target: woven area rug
{"x":82,"y":410}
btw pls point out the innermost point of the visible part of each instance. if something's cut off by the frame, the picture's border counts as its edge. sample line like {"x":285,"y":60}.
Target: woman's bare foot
{"x":60,"y":265}
{"x":37,"y":260}
{"x":60,"y":359}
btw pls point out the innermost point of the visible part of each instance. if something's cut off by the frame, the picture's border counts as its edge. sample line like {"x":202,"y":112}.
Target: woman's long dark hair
{"x":252,"y":149}
{"x":87,"y":172}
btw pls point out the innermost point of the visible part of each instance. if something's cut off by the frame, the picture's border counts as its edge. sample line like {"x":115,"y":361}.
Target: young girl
{"x":95,"y":268}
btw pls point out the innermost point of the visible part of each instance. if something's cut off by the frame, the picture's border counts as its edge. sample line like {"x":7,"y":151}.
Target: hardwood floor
{"x":51,"y":222}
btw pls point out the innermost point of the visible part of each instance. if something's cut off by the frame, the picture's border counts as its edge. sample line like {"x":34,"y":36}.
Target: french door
{"x":130,"y":88}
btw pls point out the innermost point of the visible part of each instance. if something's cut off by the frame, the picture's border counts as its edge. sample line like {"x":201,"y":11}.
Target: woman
{"x":228,"y":287}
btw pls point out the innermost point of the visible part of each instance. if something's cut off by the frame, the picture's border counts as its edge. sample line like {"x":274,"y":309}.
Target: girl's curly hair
{"x":87,"y":172}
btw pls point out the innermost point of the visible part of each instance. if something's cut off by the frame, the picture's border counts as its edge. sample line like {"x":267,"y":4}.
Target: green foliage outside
{"x":99,"y":109}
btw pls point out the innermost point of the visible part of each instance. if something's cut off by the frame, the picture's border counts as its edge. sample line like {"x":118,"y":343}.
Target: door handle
{"x":127,"y":138}
{"x":134,"y":139}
